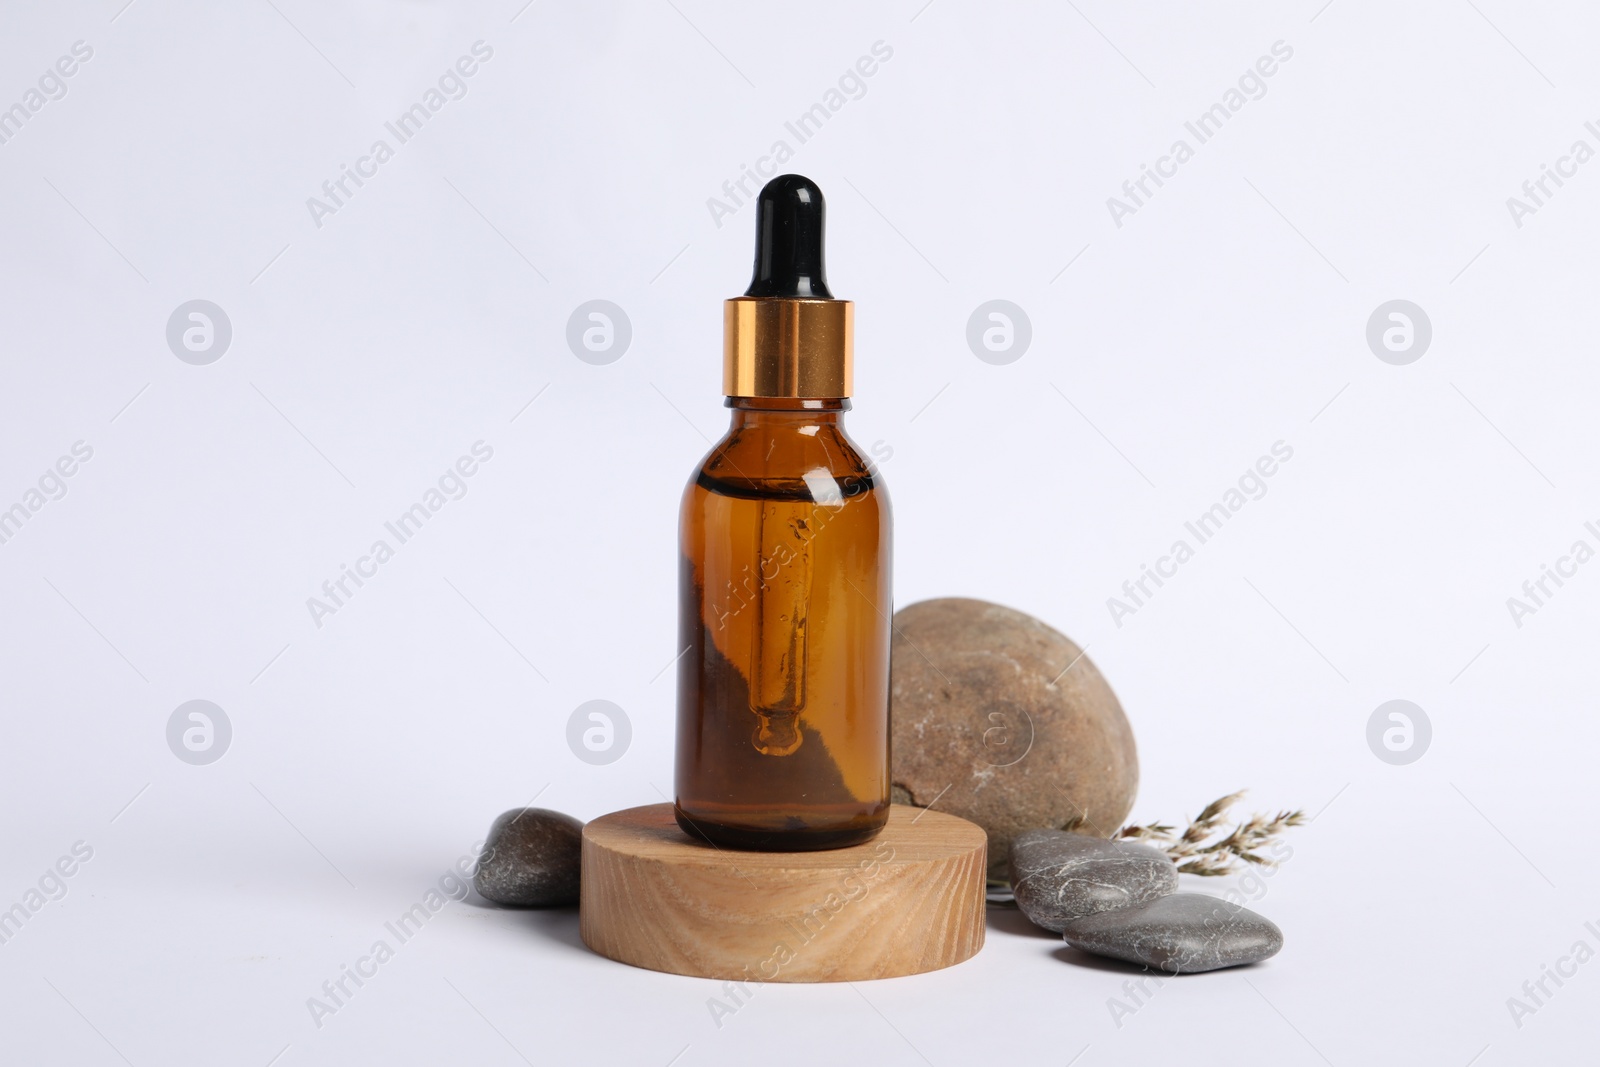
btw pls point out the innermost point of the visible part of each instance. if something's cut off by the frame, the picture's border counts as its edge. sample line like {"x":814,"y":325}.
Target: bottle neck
{"x":751,"y":411}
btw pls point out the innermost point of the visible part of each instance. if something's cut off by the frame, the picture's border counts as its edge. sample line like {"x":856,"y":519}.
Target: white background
{"x":368,"y":353}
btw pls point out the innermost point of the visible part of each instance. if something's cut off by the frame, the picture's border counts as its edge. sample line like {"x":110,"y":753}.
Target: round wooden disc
{"x":910,"y":900}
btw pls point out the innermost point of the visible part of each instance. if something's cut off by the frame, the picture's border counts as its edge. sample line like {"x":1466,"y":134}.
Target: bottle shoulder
{"x":817,"y":462}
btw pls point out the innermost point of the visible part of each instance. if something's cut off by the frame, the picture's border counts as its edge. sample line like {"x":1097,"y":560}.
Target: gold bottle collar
{"x":788,"y":347}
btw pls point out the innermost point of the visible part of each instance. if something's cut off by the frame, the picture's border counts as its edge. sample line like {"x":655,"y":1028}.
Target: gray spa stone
{"x":1058,"y":876}
{"x":1179,"y":934}
{"x":531,"y":859}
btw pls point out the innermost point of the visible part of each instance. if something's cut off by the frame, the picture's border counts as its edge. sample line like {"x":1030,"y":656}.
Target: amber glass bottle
{"x":783,"y":692}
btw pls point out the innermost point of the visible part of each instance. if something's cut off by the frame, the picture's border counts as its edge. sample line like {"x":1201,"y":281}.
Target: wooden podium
{"x":910,"y":900}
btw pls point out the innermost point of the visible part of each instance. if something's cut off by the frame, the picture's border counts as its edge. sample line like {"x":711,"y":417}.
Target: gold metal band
{"x":786,"y":347}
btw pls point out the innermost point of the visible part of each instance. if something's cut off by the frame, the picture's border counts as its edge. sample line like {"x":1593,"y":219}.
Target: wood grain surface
{"x":910,"y":900}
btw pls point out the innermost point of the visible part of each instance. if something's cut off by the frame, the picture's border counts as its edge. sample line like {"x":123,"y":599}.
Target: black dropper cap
{"x":789,"y":217}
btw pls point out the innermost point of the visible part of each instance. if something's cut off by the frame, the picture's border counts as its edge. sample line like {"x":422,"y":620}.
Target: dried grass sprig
{"x":1208,"y":847}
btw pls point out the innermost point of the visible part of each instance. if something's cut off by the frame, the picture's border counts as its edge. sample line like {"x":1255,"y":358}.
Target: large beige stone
{"x":988,"y":727}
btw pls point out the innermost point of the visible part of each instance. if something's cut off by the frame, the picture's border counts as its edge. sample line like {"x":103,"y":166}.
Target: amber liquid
{"x":783,"y":694}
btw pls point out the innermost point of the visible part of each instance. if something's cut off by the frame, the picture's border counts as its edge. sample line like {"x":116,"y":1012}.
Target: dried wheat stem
{"x":1209,"y":848}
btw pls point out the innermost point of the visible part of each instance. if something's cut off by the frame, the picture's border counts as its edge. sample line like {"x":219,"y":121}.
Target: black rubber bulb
{"x":789,"y":218}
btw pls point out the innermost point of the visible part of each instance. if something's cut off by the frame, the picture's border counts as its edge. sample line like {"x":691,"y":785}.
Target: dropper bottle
{"x":784,"y":592}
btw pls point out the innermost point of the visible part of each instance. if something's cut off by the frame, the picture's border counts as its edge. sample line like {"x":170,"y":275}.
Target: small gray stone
{"x":1058,"y":876}
{"x":531,"y":859}
{"x":1180,"y":934}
